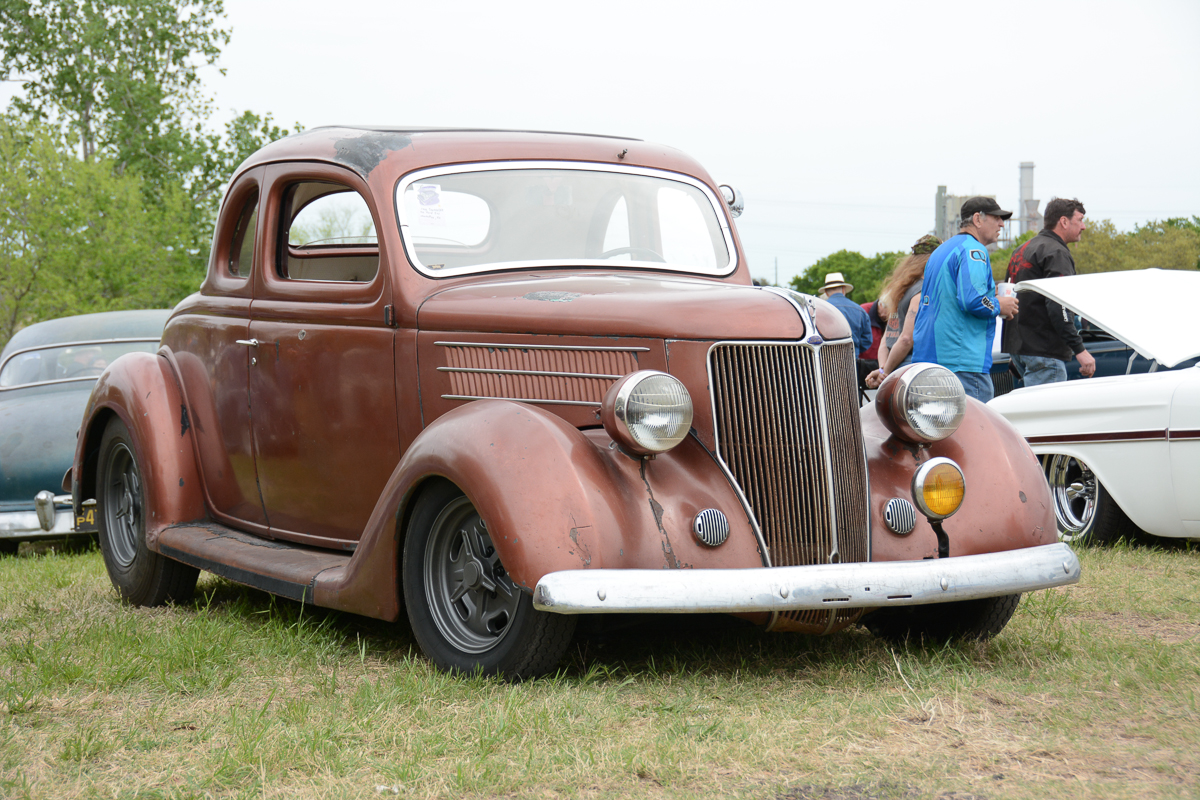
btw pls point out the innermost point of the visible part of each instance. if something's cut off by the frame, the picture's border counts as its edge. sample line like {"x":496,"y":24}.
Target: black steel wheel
{"x":142,"y":577}
{"x":975,"y":620}
{"x":1084,"y":510}
{"x":465,"y":611}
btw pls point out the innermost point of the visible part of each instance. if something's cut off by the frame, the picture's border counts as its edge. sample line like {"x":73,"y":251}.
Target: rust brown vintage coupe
{"x":499,"y":379}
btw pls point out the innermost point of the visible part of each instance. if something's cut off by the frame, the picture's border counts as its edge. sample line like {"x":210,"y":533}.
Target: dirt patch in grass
{"x":878,"y":791}
{"x":1168,"y":631}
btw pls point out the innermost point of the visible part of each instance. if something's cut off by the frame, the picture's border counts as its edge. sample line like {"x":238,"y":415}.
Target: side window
{"x":328,"y":235}
{"x":241,"y":250}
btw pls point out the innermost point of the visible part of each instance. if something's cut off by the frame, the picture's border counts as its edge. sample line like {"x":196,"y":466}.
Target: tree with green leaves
{"x":866,"y":274}
{"x":122,"y":76}
{"x":78,"y":237}
{"x":111,"y":102}
{"x":121,"y":80}
{"x":1103,"y":248}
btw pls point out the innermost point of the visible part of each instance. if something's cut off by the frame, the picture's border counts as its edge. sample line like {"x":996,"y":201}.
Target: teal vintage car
{"x":46,"y":374}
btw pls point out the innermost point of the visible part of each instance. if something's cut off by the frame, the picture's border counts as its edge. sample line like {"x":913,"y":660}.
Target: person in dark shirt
{"x":1043,"y":338}
{"x":835,"y":291}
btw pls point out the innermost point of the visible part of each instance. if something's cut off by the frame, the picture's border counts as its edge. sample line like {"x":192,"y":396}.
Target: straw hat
{"x":834,"y":280}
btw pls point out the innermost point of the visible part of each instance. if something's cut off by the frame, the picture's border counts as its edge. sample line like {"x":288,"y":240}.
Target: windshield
{"x":77,"y":361}
{"x":460,"y":220}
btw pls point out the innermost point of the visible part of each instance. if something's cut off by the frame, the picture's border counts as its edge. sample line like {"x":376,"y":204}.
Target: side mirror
{"x":733,"y":198}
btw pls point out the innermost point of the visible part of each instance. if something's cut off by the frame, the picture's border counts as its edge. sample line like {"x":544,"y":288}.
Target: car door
{"x":1185,"y":450}
{"x":322,"y":383}
{"x":203,"y":339}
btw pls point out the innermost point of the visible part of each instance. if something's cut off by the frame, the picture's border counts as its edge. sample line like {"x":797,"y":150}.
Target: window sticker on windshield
{"x":430,"y":213}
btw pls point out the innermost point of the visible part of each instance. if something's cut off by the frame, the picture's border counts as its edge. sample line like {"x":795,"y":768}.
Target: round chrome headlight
{"x":922,"y":402}
{"x":647,"y":412}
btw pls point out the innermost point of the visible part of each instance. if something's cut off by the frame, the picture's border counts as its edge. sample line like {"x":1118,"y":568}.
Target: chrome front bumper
{"x":872,"y":585}
{"x":26,"y":525}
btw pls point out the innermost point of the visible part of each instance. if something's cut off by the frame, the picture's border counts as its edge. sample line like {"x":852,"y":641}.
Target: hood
{"x":613,"y":305}
{"x":1148,"y":309}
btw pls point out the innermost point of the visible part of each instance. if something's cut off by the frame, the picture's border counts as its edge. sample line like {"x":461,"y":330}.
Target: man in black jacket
{"x":1043,"y":338}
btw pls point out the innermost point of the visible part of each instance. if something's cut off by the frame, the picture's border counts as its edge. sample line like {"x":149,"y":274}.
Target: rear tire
{"x":465,"y":611}
{"x":970,"y":620}
{"x":1083,"y":508}
{"x":142,"y":577}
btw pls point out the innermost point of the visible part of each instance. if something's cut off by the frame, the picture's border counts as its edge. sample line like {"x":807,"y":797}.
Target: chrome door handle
{"x":250,"y":342}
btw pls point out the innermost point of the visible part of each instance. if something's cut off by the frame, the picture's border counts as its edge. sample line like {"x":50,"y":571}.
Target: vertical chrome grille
{"x":839,"y":375}
{"x":788,"y":431}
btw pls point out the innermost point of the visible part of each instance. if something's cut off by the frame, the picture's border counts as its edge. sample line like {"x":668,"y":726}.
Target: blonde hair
{"x":907,"y":271}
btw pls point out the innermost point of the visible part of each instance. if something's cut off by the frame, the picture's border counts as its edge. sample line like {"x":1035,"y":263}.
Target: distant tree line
{"x":1170,"y":244}
{"x":110,"y":174}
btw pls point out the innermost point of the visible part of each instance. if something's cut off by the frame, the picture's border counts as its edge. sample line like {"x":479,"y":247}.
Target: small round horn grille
{"x":900,"y":516}
{"x":711,"y":527}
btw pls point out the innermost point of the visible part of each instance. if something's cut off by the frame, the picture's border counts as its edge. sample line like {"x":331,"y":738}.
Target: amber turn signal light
{"x":938,"y":488}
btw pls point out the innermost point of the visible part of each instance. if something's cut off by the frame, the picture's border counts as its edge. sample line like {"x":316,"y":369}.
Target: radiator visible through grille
{"x":788,"y":430}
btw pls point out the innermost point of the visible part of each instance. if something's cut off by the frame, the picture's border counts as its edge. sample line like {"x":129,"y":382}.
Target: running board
{"x":288,"y":570}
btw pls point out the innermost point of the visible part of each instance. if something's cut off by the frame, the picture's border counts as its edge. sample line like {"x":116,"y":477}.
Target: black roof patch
{"x":363,"y":153}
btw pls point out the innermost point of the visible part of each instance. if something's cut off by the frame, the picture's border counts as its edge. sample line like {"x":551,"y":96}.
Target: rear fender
{"x":553,"y":498}
{"x":1007,"y":502}
{"x":141,"y":390}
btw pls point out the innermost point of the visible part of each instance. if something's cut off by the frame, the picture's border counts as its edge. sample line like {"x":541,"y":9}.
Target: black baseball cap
{"x":985,"y":205}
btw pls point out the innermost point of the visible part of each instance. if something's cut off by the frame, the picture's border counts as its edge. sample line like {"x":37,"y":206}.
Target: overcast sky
{"x":838,"y":121}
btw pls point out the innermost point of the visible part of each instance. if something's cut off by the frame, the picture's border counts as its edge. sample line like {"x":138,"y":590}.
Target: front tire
{"x":1083,"y":508}
{"x":971,"y":620}
{"x":142,"y":577}
{"x":465,"y":611}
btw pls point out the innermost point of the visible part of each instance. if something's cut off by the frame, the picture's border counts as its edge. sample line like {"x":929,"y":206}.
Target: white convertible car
{"x":1122,"y":451}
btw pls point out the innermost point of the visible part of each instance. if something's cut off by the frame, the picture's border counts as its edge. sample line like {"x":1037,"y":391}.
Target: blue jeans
{"x":1036,"y":370}
{"x":977,"y":385}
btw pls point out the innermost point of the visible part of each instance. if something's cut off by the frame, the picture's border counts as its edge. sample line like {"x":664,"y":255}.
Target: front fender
{"x":141,"y":389}
{"x":1007,"y":502}
{"x":553,"y":498}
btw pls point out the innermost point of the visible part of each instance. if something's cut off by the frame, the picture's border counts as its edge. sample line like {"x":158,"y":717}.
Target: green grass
{"x":1091,"y":691}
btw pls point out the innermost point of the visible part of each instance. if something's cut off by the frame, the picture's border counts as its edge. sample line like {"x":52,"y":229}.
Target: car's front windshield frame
{"x":430,"y":174}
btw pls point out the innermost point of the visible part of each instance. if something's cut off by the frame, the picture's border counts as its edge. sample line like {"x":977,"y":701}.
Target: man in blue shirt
{"x":835,"y":291}
{"x":956,"y":317}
